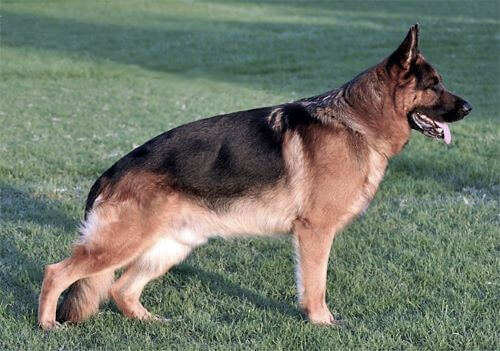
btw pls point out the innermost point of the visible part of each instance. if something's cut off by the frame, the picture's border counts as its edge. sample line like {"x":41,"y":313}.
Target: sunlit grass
{"x":83,"y":82}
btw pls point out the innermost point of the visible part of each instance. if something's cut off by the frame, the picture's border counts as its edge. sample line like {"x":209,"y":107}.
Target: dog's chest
{"x":377,"y":165}
{"x":359,"y":202}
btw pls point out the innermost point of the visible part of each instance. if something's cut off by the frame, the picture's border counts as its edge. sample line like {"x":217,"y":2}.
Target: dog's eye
{"x":433,"y":84}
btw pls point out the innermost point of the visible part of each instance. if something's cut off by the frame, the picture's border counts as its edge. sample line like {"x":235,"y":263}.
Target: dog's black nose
{"x":466,"y":108}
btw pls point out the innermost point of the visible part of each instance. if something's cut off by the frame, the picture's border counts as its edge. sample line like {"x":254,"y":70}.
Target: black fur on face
{"x":449,"y":108}
{"x":446,"y":107}
{"x":437,"y":105}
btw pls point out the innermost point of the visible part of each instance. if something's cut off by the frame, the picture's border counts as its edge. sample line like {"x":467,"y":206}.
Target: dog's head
{"x":420,"y":92}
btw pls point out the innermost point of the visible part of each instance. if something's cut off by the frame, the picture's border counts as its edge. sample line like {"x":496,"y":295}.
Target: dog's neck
{"x":361,"y":105}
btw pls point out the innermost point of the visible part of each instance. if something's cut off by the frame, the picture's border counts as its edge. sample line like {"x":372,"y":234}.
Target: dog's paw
{"x":50,"y":325}
{"x":323,"y":317}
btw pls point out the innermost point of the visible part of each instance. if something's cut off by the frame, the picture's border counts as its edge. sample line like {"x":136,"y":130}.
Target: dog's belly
{"x":263,"y":216}
{"x":192,"y":224}
{"x":248,"y":217}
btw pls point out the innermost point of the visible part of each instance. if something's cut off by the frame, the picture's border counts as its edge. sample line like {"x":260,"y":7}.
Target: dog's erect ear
{"x":407,"y":52}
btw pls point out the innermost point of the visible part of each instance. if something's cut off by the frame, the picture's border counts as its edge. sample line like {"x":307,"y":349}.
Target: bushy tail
{"x":83,"y":297}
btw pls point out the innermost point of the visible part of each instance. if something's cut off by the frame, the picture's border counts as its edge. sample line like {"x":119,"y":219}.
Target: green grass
{"x":83,"y":82}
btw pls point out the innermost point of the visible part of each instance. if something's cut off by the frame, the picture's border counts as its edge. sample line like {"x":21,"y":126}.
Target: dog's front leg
{"x":313,"y":245}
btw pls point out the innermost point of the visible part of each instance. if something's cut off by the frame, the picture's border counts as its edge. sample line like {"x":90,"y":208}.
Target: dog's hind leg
{"x":151,"y":264}
{"x":84,"y":263}
{"x":115,"y":237}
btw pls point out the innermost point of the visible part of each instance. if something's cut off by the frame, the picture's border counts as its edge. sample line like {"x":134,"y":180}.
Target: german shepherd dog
{"x":308,"y":167}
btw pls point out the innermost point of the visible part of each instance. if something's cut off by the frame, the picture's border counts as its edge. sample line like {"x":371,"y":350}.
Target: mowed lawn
{"x":84,"y":82}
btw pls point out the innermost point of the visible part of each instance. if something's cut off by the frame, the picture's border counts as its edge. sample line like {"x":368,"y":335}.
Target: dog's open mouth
{"x":430,"y":127}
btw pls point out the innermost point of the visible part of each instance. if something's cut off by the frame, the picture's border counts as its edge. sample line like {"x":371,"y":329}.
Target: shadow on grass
{"x":282,"y":45}
{"x":251,"y":53}
{"x":217,"y":282}
{"x":454,"y":175}
{"x":16,"y":267}
{"x":20,"y":206}
{"x":21,"y":272}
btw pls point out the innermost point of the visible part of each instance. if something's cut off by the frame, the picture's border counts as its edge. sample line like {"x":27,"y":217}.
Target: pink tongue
{"x":446,"y":130}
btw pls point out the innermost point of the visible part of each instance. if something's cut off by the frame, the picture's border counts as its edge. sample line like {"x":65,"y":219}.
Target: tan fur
{"x":152,"y":263}
{"x":274,"y":119}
